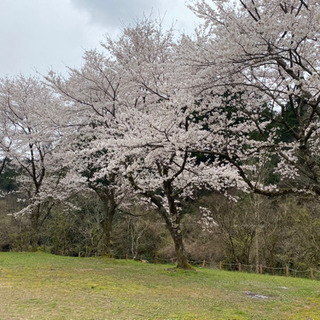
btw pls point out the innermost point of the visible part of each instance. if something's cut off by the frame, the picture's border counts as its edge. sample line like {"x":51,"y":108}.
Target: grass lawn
{"x":44,"y":286}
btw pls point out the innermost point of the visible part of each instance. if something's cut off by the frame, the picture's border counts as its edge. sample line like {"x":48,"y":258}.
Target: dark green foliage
{"x":8,"y":177}
{"x":70,"y":231}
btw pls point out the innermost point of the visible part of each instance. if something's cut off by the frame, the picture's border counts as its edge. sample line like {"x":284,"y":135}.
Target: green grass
{"x":44,"y":286}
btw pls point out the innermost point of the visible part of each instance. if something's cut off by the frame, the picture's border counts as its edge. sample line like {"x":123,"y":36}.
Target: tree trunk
{"x":34,"y":240}
{"x":176,"y":234}
{"x":171,"y":217}
{"x":256,"y":208}
{"x":38,"y":216}
{"x":173,"y":220}
{"x":109,"y":206}
{"x":182,"y":260}
{"x":106,"y":236}
{"x":34,"y":237}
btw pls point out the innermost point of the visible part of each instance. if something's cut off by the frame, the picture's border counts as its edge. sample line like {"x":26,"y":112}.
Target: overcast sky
{"x":40,"y":35}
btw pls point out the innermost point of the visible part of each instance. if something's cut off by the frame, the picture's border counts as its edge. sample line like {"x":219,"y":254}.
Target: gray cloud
{"x":111,"y":13}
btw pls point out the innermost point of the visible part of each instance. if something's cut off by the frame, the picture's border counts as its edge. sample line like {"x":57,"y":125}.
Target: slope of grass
{"x":43,"y":286}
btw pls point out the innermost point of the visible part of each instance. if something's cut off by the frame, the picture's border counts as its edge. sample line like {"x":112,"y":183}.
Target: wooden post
{"x":141,"y":258}
{"x":261,"y":269}
{"x":287,"y":271}
{"x":239,"y":267}
{"x":127,"y":257}
{"x":155,"y":258}
{"x":220,"y":265}
{"x":203,"y":263}
{"x":79,"y":254}
{"x":311,"y":273}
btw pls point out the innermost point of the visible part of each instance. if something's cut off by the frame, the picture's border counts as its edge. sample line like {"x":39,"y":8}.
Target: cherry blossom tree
{"x":156,"y":133}
{"x":259,"y":61}
{"x":91,"y":96}
{"x":29,"y":112}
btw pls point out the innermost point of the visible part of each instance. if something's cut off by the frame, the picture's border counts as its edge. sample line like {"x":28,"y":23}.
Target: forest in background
{"x":255,"y":230}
